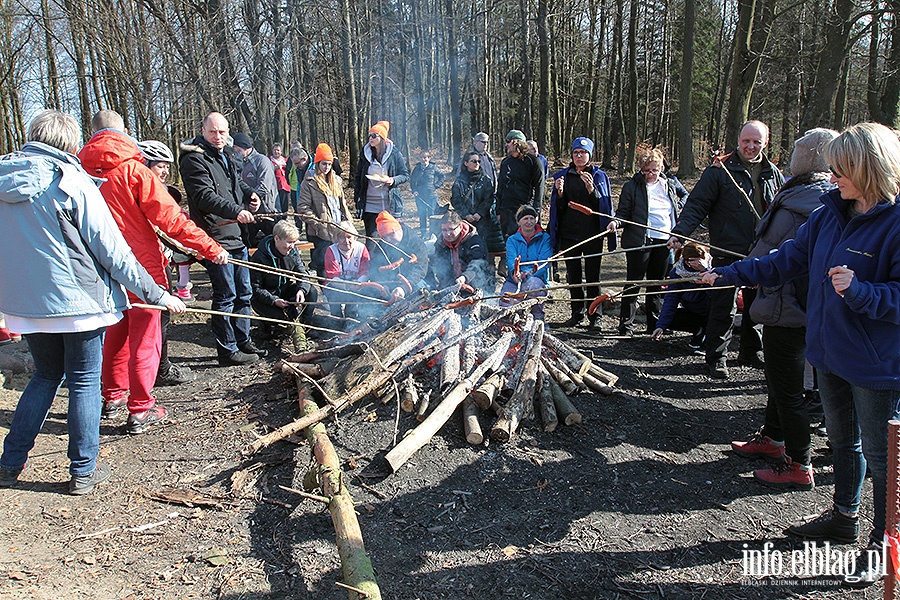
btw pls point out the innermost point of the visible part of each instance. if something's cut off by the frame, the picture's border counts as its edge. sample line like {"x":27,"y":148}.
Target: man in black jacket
{"x":733,"y":193}
{"x":460,"y":256}
{"x":218,"y":200}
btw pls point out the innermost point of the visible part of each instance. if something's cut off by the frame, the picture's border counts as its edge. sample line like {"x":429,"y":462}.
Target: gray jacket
{"x":64,"y":256}
{"x":785,"y":305}
{"x":259,"y":173}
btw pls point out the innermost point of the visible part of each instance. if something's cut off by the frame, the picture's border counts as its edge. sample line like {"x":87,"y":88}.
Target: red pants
{"x":131,"y":359}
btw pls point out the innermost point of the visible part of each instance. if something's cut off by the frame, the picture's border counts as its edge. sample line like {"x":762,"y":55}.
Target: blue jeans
{"x":857,"y":420}
{"x":231,"y":294}
{"x":78,"y":356}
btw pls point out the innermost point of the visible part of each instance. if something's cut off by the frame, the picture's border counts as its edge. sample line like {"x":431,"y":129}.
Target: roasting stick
{"x":365,"y":237}
{"x":204,"y":311}
{"x":599,"y":254}
{"x":588,"y":211}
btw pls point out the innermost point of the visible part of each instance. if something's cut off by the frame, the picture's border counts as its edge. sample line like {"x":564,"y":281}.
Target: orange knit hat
{"x":381,"y":128}
{"x":324,"y":152}
{"x":386,"y":223}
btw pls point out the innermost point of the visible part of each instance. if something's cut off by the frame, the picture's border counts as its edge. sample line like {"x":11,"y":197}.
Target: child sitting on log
{"x":686,"y":310}
{"x":279,"y":297}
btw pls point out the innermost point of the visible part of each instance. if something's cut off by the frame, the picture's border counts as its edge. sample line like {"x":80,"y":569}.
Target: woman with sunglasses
{"x":380,"y":171}
{"x":472,"y":197}
{"x":850,"y":248}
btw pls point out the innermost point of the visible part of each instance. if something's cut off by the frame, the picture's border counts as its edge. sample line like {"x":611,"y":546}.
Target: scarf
{"x":454,"y":248}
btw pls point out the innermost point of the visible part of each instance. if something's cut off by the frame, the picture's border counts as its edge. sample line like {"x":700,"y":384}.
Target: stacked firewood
{"x":435,"y":351}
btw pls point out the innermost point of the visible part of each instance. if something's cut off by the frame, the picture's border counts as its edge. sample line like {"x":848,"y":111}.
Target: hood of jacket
{"x":106,"y":150}
{"x":29,"y":172}
{"x":388,"y":148}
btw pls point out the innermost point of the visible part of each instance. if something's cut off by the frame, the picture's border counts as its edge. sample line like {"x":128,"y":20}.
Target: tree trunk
{"x":686,"y":165}
{"x":820,"y":102}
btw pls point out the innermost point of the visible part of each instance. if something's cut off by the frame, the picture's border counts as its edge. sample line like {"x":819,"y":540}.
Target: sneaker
{"x":15,"y":337}
{"x":718,"y":370}
{"x":5,"y":337}
{"x":830,"y":525}
{"x":573,"y":321}
{"x":760,"y":446}
{"x":139,"y":422}
{"x":111,"y":407}
{"x":237,"y":358}
{"x":175,"y":375}
{"x":625,"y":332}
{"x":697,"y":340}
{"x":870,"y":567}
{"x":10,"y":477}
{"x":250,"y":348}
{"x":184,"y":294}
{"x":754,"y":360}
{"x":80,"y":485}
{"x":787,"y":475}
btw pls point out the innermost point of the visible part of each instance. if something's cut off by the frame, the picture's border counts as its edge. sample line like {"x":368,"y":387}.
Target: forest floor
{"x":644,"y":499}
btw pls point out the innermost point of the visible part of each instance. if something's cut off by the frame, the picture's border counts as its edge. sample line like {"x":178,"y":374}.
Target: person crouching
{"x":276,"y":295}
{"x":530,"y":243}
{"x":460,"y":256}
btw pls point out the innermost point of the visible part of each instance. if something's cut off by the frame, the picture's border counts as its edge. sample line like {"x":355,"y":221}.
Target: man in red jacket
{"x":139,"y":203}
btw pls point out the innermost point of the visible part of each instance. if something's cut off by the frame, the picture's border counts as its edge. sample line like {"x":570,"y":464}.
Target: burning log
{"x":545,"y":400}
{"x":564,"y":381}
{"x":420,"y":436}
{"x":565,"y":410}
{"x":409,"y":395}
{"x":488,"y":391}
{"x":451,"y":362}
{"x":515,"y":374}
{"x":470,"y":421}
{"x":522,"y":400}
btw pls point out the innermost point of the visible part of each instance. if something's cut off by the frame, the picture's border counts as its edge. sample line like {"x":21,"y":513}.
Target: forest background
{"x":677,"y":73}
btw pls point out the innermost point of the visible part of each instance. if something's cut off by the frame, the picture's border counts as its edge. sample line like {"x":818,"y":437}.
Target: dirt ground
{"x":644,"y":499}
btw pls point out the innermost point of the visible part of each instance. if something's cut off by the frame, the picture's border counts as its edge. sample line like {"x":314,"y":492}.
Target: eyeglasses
{"x":649,"y":171}
{"x":372,"y":136}
{"x":835,"y":172}
{"x":477,"y":161}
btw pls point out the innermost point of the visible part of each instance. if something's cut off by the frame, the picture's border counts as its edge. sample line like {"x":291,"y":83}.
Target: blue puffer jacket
{"x":538,"y":248}
{"x":63,"y":252}
{"x":857,"y":336}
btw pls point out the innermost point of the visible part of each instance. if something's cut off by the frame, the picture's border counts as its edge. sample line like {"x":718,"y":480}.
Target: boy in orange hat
{"x":401,"y":252}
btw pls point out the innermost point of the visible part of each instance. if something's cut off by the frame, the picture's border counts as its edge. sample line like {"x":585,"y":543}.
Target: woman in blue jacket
{"x":850,"y":249}
{"x":528,"y":244}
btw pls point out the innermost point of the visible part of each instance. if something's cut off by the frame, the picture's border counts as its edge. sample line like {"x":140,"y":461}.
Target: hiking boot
{"x":787,"y":475}
{"x":869,"y":567}
{"x":249,"y":347}
{"x":718,"y":370}
{"x":10,"y":477}
{"x":111,"y":407}
{"x":139,"y":422}
{"x":175,"y":375}
{"x":573,"y":321}
{"x":751,"y":359}
{"x":760,"y":446}
{"x":625,"y":331}
{"x":237,"y":358}
{"x":80,"y":485}
{"x":595,"y":324}
{"x":830,"y":525}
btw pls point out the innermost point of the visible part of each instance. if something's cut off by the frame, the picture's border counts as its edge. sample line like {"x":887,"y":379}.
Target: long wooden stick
{"x":219,"y":313}
{"x":597,"y":255}
{"x":589,"y":211}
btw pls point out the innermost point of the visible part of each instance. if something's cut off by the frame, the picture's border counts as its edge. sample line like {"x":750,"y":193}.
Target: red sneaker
{"x":5,"y":336}
{"x":759,"y":446}
{"x":787,"y":475}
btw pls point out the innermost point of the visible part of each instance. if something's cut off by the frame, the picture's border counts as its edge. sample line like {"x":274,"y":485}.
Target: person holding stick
{"x":530,"y":243}
{"x":733,"y":192}
{"x":686,"y":305}
{"x":850,"y":249}
{"x":650,"y":198}
{"x":62,"y":290}
{"x":346,"y":263}
{"x":584,"y":184}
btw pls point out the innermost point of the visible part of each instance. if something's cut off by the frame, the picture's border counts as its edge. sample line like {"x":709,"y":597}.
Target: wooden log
{"x":522,"y":400}
{"x":597,"y":385}
{"x":420,"y":436}
{"x":409,"y":395}
{"x":311,"y":369}
{"x":488,"y":391}
{"x":355,"y":563}
{"x":545,"y":400}
{"x":564,"y":381}
{"x":565,"y":410}
{"x":515,"y":373}
{"x":578,"y":361}
{"x":336,"y":352}
{"x":450,"y":365}
{"x":422,"y":407}
{"x":470,"y":421}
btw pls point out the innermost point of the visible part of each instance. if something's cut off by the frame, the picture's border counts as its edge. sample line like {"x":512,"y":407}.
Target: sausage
{"x":394,"y":265}
{"x":405,"y":282}
{"x":592,"y":309}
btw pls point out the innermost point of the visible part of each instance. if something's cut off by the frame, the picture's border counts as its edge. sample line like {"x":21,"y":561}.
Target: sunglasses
{"x":476,"y":161}
{"x":835,"y":172}
{"x":372,"y":136}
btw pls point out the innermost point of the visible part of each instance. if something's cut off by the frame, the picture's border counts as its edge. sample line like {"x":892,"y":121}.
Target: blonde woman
{"x":321,"y":202}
